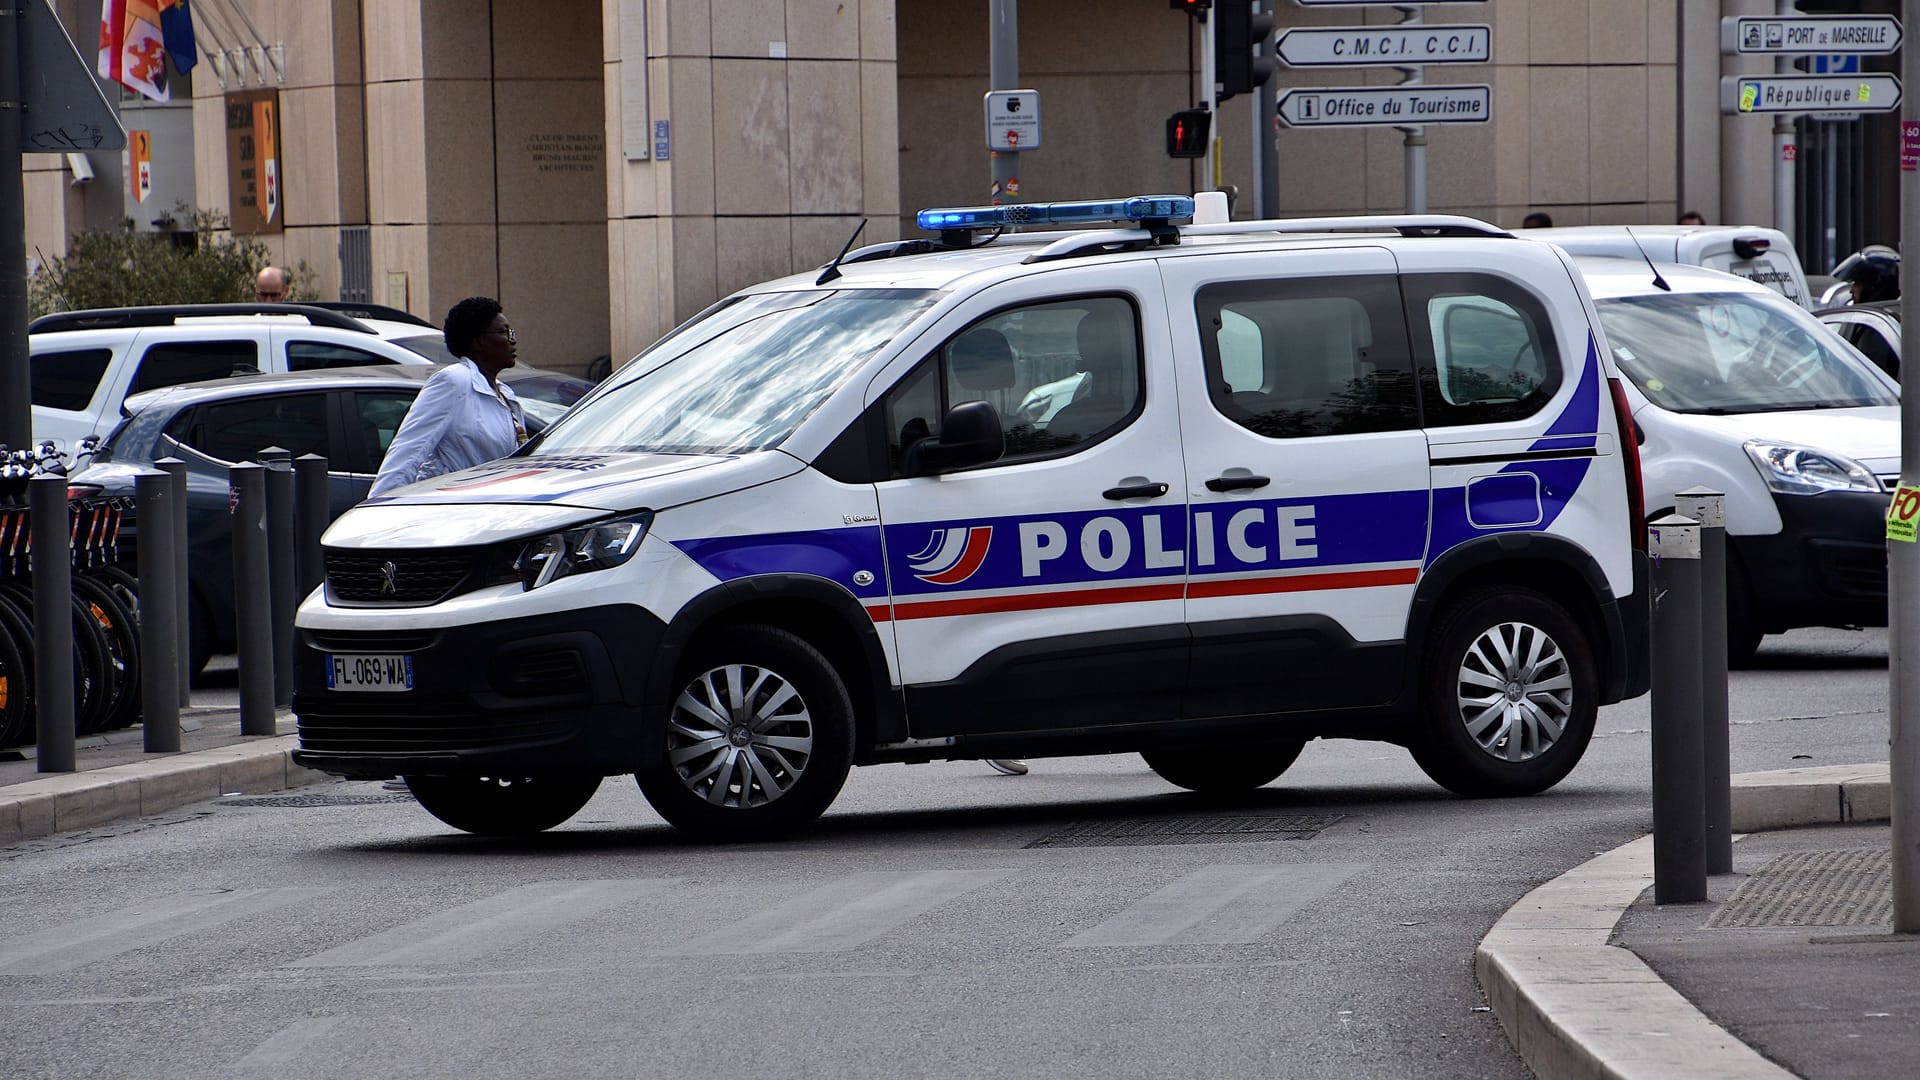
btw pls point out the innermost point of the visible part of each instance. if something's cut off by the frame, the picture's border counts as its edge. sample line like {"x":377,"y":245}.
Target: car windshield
{"x":431,"y":346}
{"x":741,"y":378}
{"x":1719,"y":353}
{"x":545,"y":397}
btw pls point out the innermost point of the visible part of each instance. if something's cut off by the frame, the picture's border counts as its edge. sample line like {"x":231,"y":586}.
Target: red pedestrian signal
{"x":1195,"y":8}
{"x":1187,"y":132}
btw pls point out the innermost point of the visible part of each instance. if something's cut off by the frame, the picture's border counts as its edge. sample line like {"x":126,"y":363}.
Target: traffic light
{"x":1195,"y":8}
{"x":1237,"y":33}
{"x":1187,"y":132}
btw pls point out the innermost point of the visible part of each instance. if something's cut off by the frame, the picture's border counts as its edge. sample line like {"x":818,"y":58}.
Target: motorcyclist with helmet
{"x":1872,"y":273}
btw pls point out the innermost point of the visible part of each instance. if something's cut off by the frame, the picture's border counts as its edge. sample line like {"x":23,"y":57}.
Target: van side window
{"x":1485,"y":346}
{"x":1304,"y":357}
{"x":1062,"y":375}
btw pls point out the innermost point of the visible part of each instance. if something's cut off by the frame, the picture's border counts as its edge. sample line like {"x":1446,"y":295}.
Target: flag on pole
{"x":176,"y":26}
{"x":132,"y":48}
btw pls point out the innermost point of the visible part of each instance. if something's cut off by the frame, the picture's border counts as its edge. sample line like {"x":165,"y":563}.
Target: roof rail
{"x":1404,"y":224}
{"x":1083,"y":243}
{"x":361,"y":310}
{"x":169,"y":314}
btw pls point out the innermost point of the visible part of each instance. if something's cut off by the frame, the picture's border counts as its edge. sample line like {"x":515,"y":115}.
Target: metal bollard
{"x":1679,"y":803}
{"x":309,"y":521}
{"x":176,"y":470}
{"x":160,"y":643}
{"x":52,"y":548}
{"x":1709,"y":508}
{"x":252,"y":601}
{"x":280,"y":546}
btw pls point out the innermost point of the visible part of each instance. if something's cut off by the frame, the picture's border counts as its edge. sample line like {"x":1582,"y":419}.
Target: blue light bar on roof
{"x":1137,"y":208}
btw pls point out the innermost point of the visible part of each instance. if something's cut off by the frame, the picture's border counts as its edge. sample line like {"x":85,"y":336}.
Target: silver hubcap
{"x":740,"y":736}
{"x":1515,"y":691}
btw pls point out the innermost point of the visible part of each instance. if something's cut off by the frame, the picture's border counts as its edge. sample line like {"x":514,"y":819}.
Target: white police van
{"x":1356,"y":477}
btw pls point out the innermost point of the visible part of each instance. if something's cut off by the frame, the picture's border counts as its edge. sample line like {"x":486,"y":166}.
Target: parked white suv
{"x":85,"y":363}
{"x":1362,"y":477}
{"x":1738,"y":390}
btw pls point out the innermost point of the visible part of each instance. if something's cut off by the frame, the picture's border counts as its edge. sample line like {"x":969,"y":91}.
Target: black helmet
{"x":1875,"y":269}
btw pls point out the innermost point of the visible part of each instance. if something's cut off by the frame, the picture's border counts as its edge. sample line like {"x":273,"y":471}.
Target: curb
{"x":1576,"y":1007}
{"x":64,"y":802}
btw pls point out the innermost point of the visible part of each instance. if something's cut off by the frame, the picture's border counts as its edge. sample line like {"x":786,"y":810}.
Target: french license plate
{"x":364,"y":672}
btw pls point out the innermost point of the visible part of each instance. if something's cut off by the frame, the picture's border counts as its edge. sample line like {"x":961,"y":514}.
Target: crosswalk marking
{"x":1217,"y":905}
{"x":64,"y":948}
{"x":843,"y":914}
{"x":272,"y":1057}
{"x":466,"y":932}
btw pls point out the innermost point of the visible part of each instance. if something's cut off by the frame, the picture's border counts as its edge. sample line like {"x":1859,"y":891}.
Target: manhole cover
{"x":1814,"y":888}
{"x":315,"y":800}
{"x":1239,"y":829}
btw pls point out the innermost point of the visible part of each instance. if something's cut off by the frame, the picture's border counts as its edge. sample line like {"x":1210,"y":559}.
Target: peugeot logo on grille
{"x":388,"y":572}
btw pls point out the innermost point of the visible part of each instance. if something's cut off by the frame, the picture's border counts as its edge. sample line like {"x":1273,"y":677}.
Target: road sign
{"x":1870,"y":93}
{"x":62,"y":109}
{"x":1349,"y":46}
{"x":1385,"y":106}
{"x":1835,"y":64}
{"x":1013,"y":119}
{"x":1860,"y":35}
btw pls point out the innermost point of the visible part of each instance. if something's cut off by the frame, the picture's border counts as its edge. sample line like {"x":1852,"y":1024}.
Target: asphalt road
{"x":942,"y":921}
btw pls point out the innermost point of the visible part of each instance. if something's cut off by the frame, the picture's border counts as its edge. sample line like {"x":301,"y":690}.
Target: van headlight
{"x":599,"y":546}
{"x":1802,"y":470}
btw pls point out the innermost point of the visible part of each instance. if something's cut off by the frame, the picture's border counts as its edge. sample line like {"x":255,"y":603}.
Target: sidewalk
{"x":1789,"y":970}
{"x":117,"y":779}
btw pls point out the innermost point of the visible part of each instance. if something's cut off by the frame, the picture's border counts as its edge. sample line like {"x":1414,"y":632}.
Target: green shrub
{"x":124,"y":268}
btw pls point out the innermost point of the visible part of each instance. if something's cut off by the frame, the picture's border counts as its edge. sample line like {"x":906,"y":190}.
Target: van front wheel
{"x":1509,"y":691}
{"x":758,"y":740}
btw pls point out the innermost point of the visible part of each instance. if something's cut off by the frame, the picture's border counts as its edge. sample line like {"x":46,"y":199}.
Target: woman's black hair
{"x":467,"y":320}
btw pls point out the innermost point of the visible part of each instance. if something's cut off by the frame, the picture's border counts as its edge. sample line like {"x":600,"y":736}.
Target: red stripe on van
{"x":984,"y":605}
{"x":1356,"y":579}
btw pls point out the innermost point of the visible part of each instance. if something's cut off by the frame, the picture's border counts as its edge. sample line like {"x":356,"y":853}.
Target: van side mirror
{"x":970,"y":434}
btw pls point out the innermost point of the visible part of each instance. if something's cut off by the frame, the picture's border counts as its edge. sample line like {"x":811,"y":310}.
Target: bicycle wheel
{"x":122,"y":641}
{"x":16,"y":677}
{"x":89,"y":661}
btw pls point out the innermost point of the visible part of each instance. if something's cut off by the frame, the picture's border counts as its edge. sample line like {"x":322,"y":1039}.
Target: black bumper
{"x":1826,"y":566}
{"x":547,"y":693}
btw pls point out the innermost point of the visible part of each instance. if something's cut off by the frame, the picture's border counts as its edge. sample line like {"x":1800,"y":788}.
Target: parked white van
{"x":1272,"y":481}
{"x":1735,"y":389}
{"x":1748,"y":251}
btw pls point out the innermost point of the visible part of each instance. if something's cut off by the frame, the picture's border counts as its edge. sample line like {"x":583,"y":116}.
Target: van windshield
{"x":1721,"y":353}
{"x":741,"y":377}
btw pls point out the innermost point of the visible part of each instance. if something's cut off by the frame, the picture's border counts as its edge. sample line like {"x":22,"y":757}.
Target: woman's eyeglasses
{"x":507,"y":333}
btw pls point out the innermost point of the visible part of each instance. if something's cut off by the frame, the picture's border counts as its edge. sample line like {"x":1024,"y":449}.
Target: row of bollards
{"x":279,"y":509}
{"x":1692,"y":793}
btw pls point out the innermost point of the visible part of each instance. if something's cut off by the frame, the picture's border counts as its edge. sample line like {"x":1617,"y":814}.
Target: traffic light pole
{"x":1784,"y":150}
{"x":1003,"y":64}
{"x":1416,"y":136}
{"x":16,"y":411}
{"x":1210,"y":81}
{"x":1266,"y":153}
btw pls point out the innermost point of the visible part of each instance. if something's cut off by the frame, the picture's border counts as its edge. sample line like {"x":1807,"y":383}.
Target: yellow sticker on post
{"x":1903,"y":514}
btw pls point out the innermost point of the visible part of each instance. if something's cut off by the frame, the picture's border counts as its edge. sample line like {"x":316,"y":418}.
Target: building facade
{"x":607,"y":168}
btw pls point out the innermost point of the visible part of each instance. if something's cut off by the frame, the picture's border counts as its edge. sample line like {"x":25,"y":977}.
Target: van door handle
{"x":1237,"y":483}
{"x":1136,"y":491}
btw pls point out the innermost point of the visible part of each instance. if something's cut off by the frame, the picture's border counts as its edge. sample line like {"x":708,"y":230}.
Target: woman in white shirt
{"x":464,"y":416}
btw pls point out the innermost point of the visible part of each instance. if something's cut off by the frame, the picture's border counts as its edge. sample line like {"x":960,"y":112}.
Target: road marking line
{"x":843,"y":914}
{"x":1217,"y":905}
{"x":464,"y":933}
{"x":284,"y":1046}
{"x":74,"y":945}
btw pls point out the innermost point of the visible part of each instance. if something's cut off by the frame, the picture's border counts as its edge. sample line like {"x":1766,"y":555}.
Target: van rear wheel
{"x":503,"y":806}
{"x":758,"y":741}
{"x":1225,"y":769}
{"x":1508,"y":695}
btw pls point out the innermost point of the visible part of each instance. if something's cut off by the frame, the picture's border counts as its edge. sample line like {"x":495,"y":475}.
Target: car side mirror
{"x":970,"y":434}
